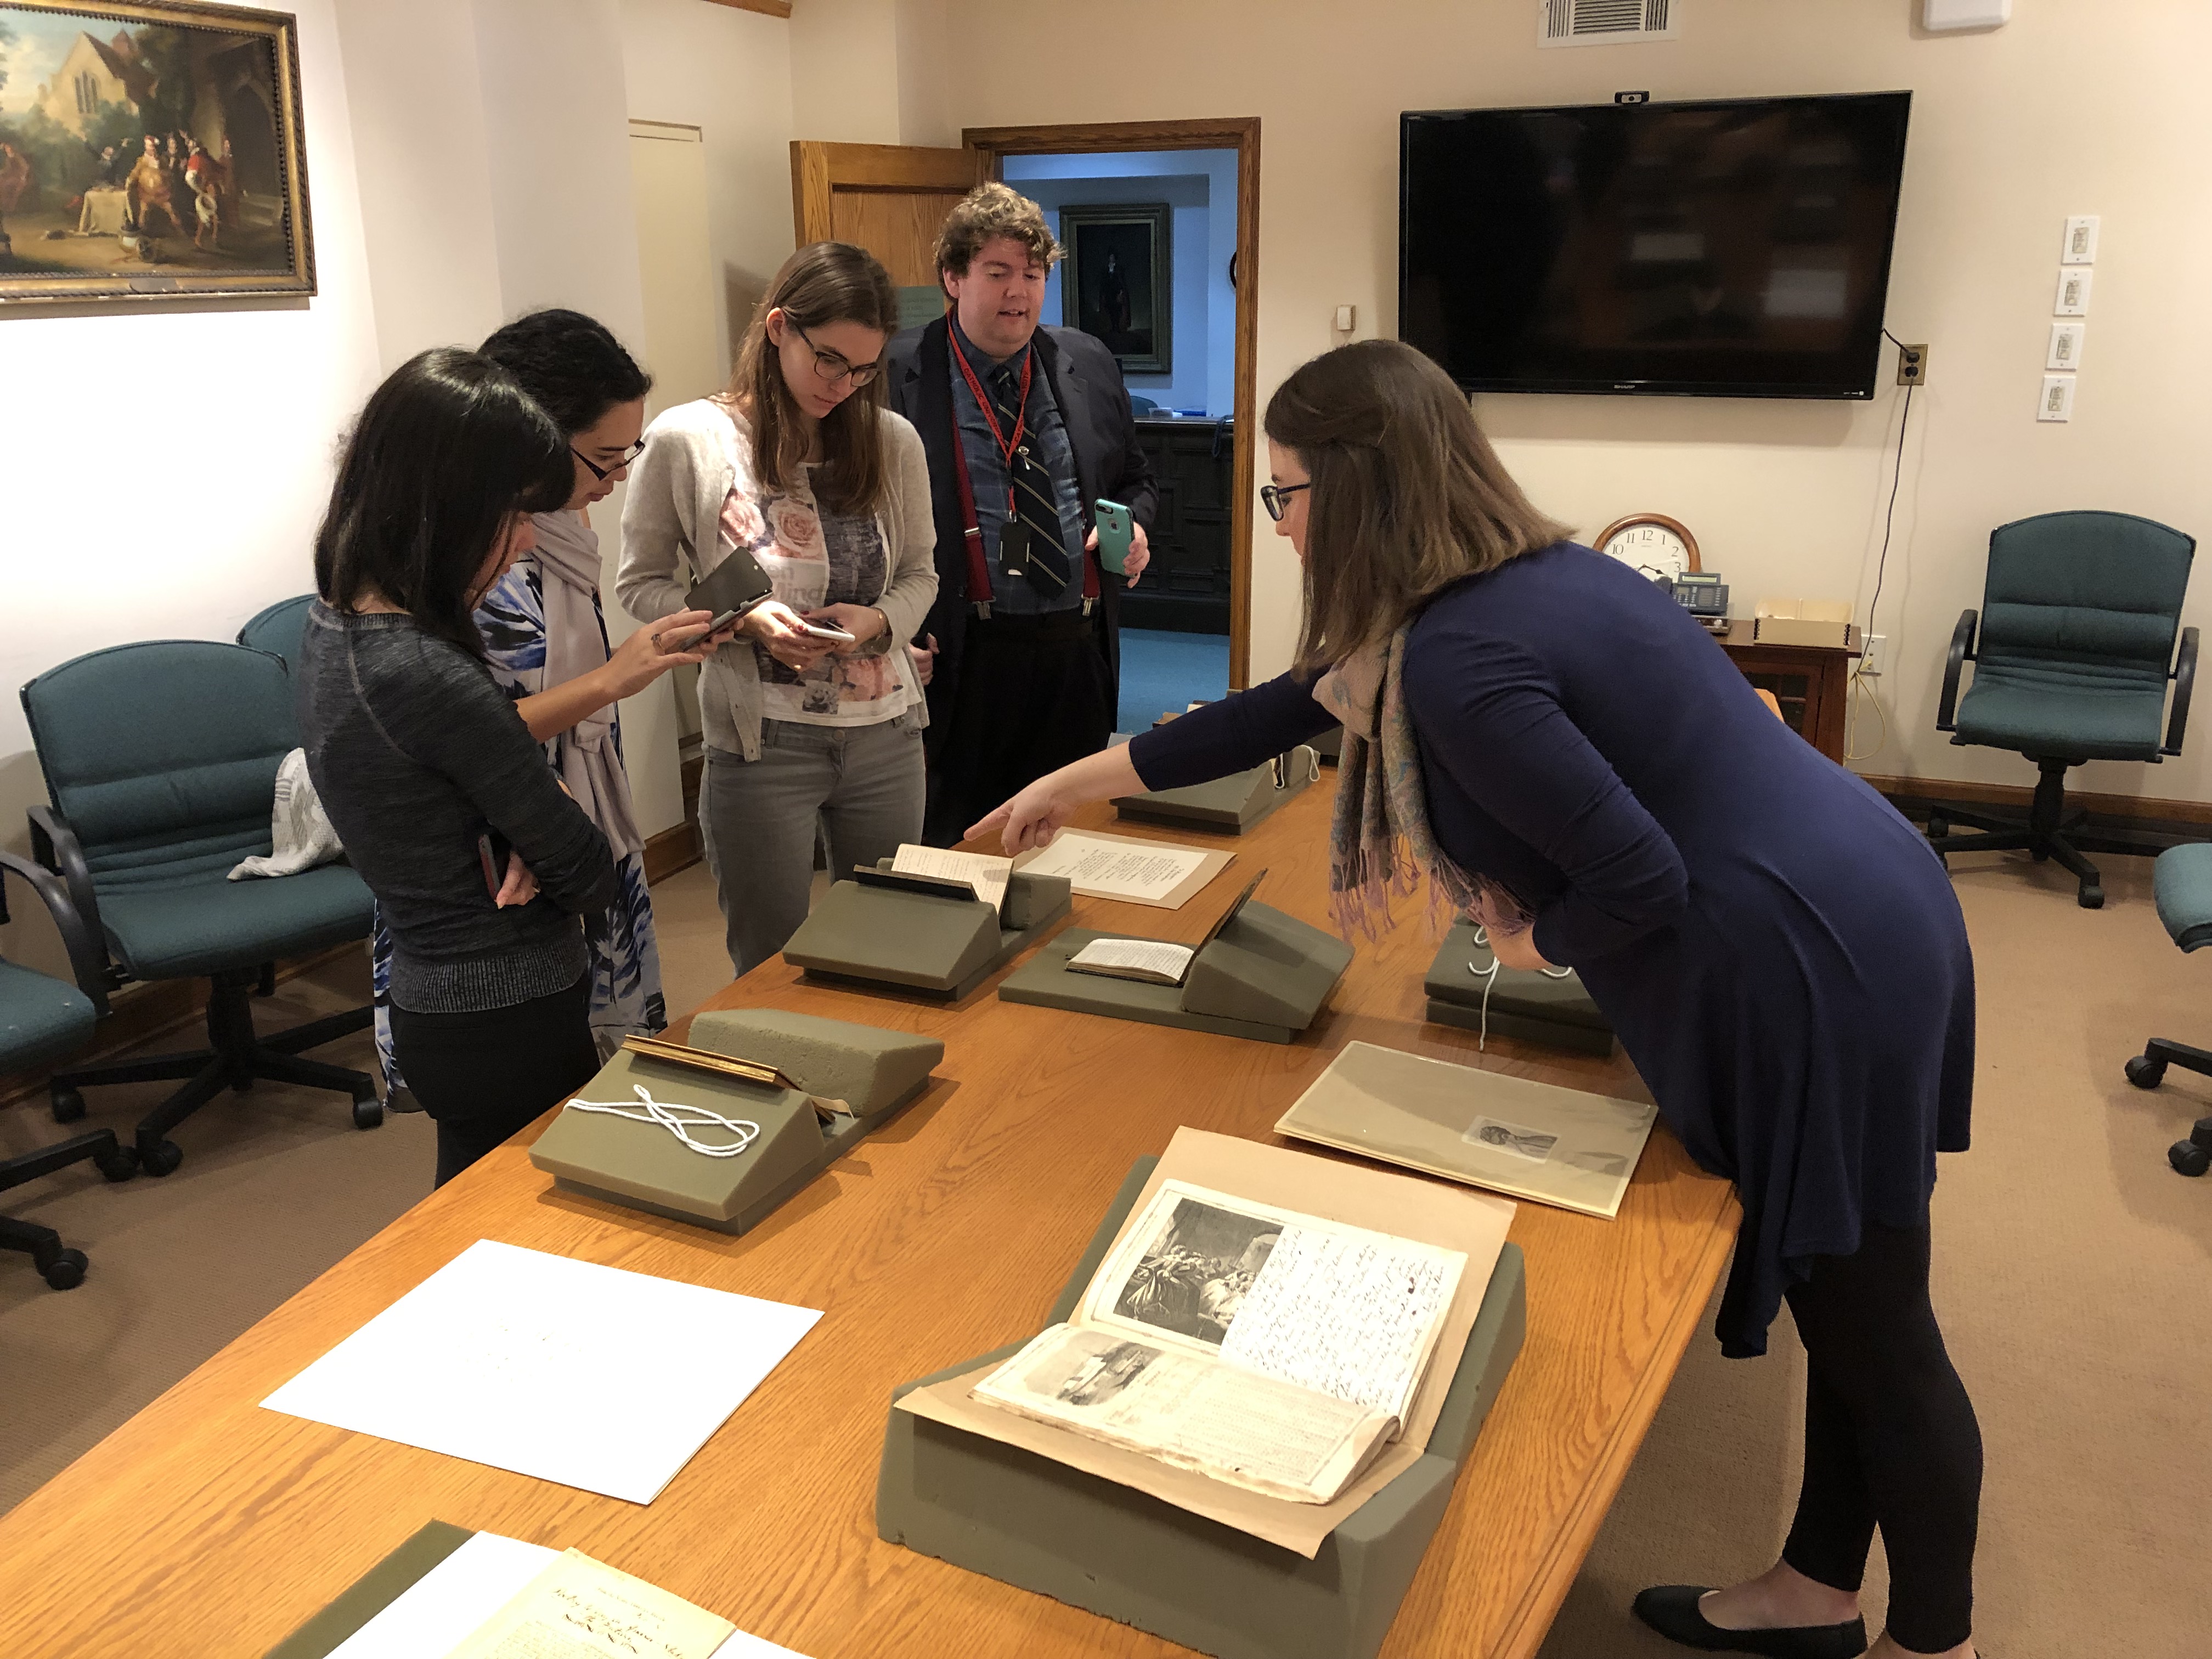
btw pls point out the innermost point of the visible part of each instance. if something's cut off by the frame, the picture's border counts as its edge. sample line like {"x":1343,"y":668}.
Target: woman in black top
{"x":429,"y":776}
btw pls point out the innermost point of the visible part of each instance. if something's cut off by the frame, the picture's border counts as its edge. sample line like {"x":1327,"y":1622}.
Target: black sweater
{"x":416,"y":751}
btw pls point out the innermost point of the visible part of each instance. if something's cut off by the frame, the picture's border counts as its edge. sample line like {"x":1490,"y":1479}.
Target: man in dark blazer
{"x":1025,"y":427}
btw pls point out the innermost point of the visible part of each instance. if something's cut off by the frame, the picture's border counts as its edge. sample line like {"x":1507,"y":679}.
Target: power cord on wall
{"x":1859,"y":675}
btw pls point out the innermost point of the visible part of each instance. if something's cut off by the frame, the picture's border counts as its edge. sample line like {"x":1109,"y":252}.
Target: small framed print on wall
{"x":1118,"y":283}
{"x":149,"y":152}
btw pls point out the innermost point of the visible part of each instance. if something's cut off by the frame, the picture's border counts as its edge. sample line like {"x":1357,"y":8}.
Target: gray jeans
{"x":863,"y":784}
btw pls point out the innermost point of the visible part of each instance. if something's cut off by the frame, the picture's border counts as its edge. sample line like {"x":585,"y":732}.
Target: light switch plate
{"x":1937,"y":15}
{"x":1345,"y":316}
{"x":2065,"y":345}
{"x":2080,"y":246}
{"x":2073,"y":297}
{"x":2058,"y":403}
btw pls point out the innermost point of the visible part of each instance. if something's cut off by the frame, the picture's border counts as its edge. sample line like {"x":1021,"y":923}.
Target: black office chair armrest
{"x":1962,"y":650}
{"x":55,"y":845}
{"x":87,"y":961}
{"x":2185,"y":681}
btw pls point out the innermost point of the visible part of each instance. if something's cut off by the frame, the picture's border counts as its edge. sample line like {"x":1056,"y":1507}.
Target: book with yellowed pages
{"x":1266,"y":1342}
{"x":1099,"y":865}
{"x":985,"y":874}
{"x":579,"y":1608}
{"x":1510,"y":1134}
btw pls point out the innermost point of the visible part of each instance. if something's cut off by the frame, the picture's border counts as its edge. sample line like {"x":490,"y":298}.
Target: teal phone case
{"x":1114,"y":533}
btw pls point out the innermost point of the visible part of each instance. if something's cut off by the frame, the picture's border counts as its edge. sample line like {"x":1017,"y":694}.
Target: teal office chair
{"x":42,"y":1018}
{"x":279,"y":629}
{"x":2075,"y":646}
{"x":160,"y":765}
{"x":2182,"y":882}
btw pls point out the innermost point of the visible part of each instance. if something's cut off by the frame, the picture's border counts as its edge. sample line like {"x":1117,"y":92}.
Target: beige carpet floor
{"x":2073,"y":1276}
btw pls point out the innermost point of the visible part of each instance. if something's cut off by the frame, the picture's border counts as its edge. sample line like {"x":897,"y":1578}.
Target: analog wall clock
{"x":1652,"y":543}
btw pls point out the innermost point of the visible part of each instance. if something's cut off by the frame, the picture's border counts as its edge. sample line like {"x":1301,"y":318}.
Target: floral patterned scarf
{"x":1380,"y":843}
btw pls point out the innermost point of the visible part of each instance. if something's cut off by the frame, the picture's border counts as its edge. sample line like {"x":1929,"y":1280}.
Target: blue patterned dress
{"x":625,"y":958}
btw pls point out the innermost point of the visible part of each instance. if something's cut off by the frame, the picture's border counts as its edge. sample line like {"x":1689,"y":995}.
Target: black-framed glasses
{"x":603,"y":473}
{"x":833,"y":367}
{"x":1276,"y":498}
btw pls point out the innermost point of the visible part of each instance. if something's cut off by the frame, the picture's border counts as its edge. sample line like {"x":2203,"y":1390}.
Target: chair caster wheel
{"x":2093,"y":898}
{"x":367,"y":1114}
{"x":68,"y":1104}
{"x":62,"y":1269}
{"x":1938,"y":828}
{"x":2188,"y":1157}
{"x":119,"y":1165}
{"x":159,"y":1157}
{"x":2145,"y":1073}
{"x":2201,"y":1135}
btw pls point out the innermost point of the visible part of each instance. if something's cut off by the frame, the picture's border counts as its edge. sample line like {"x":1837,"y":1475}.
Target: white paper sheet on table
{"x":436,"y":1614}
{"x":572,"y":1372}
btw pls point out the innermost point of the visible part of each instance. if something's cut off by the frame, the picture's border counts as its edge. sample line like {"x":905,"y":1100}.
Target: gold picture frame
{"x":150,"y":153}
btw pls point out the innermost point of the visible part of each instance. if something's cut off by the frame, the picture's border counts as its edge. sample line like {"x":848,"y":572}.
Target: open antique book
{"x":1154,"y":961}
{"x":984,"y":875}
{"x":1272,"y":1350}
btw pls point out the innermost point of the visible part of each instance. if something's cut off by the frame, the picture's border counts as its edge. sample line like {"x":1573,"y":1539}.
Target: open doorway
{"x":1150,"y":240}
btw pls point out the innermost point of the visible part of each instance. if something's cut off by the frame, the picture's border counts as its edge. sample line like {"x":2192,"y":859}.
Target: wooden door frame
{"x":1241,"y":134}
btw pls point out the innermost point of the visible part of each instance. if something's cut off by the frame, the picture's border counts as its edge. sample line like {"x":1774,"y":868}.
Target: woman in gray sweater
{"x":480,"y":861}
{"x":814,"y":716}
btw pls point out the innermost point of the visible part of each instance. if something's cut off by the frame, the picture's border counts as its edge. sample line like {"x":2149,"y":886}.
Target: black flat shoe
{"x":1672,"y":1610}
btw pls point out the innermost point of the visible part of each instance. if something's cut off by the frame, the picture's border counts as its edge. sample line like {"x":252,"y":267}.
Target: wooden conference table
{"x":208,"y":1527}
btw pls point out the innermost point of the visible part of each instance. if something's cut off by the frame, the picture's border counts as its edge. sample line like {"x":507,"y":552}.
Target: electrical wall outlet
{"x":2065,"y":351}
{"x":2058,"y":403}
{"x":2079,"y":247}
{"x":1913,"y":365}
{"x":1872,"y":653}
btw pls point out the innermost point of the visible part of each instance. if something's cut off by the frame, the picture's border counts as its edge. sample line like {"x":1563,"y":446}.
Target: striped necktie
{"x":1034,"y":500}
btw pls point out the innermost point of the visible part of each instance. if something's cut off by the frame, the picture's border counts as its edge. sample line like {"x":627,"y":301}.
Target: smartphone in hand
{"x":820,"y":632}
{"x":1115,"y":531}
{"x":491,"y":855}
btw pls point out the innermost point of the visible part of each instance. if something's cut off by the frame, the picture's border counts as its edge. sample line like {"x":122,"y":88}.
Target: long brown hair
{"x":1407,"y":495}
{"x":823,"y":283}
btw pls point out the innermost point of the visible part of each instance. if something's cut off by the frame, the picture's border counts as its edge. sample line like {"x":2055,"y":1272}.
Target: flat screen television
{"x":1735,"y":248}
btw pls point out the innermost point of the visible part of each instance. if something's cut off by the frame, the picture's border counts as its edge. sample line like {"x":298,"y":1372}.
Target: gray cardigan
{"x":673,"y":519}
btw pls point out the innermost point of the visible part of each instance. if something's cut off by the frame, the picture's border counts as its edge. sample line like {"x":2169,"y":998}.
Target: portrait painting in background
{"x":149,"y":152}
{"x":1116,"y":284}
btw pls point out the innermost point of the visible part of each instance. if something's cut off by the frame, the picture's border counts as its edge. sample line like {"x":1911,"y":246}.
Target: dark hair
{"x":821,"y":283}
{"x":570,"y":364}
{"x":446,"y":451}
{"x":1408,"y":497}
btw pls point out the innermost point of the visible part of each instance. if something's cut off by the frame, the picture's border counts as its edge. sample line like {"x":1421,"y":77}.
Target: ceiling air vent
{"x":1602,"y":23}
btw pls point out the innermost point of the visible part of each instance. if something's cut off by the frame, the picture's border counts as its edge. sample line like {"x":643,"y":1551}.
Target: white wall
{"x":166,"y":471}
{"x":1200,"y":185}
{"x":729,"y":73}
{"x":1785,"y":497}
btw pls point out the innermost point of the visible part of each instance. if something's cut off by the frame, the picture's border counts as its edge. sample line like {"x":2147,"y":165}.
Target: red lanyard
{"x":1007,"y":447}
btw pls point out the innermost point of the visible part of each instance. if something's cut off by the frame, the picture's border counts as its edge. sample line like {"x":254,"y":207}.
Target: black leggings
{"x":1889,"y":1440}
{"x":486,"y":1075}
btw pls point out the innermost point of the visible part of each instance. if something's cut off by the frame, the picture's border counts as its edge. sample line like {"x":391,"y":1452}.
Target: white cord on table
{"x":1489,"y":978}
{"x":679,"y":1120}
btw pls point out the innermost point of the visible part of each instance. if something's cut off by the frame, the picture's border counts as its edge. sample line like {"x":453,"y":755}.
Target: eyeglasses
{"x":603,"y":473}
{"x":1276,"y":497}
{"x":833,"y":367}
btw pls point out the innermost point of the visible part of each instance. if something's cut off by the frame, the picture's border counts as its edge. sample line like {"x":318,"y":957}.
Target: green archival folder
{"x":374,"y":1591}
{"x":1533,"y":1006}
{"x":1041,"y":1526}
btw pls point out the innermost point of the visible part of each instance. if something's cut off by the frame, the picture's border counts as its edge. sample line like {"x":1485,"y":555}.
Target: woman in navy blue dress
{"x":1564,"y":754}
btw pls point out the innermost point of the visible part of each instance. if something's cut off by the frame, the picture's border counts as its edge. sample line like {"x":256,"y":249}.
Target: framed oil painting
{"x":1117,"y":283}
{"x":149,"y":152}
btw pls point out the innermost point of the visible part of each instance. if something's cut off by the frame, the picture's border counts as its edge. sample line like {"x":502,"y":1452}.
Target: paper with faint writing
{"x":986,"y":872}
{"x":1219,"y":1420}
{"x":1341,"y":1310}
{"x":1154,"y":872}
{"x":579,"y":1608}
{"x":572,"y":1372}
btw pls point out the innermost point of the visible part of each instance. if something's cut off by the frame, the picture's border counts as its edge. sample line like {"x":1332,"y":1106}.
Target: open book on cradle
{"x":1273,"y":1350}
{"x":1154,"y":961}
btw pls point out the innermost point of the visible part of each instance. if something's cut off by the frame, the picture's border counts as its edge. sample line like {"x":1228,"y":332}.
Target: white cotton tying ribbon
{"x":679,"y":1120}
{"x":1489,"y":978}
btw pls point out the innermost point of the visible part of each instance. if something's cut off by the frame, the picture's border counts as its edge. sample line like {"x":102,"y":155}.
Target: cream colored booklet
{"x":1155,"y":873}
{"x":986,"y":872}
{"x":1511,"y":1134}
{"x":579,"y":1608}
{"x":1264,"y":1347}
